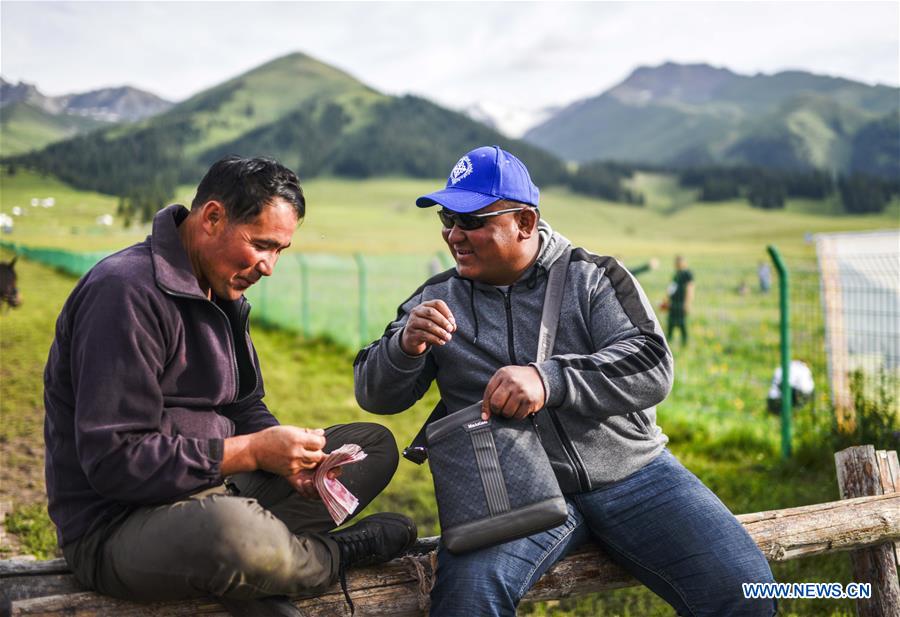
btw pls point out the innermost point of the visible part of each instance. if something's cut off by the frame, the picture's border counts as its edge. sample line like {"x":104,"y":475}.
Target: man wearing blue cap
{"x":475,"y":328}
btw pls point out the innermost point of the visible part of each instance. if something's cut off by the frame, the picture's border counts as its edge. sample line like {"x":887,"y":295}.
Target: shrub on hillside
{"x":863,"y":194}
{"x":604,"y":180}
{"x":766,"y":191}
{"x":719,"y":188}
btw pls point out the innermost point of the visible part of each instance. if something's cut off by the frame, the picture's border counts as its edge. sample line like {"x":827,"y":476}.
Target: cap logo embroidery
{"x":462,"y":169}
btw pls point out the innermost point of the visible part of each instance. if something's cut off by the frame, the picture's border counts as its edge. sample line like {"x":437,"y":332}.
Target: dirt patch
{"x":22,"y":471}
{"x":21,"y":483}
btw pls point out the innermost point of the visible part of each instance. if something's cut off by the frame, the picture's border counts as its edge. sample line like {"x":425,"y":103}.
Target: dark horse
{"x":8,"y":292}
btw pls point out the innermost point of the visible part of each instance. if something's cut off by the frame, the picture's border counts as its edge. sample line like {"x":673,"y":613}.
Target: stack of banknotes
{"x":340,"y":502}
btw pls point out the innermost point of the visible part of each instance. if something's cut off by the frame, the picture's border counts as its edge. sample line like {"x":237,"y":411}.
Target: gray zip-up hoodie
{"x":610,"y":364}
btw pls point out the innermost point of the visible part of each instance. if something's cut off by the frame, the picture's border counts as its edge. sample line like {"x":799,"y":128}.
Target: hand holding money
{"x":339,"y":501}
{"x":304,"y":481}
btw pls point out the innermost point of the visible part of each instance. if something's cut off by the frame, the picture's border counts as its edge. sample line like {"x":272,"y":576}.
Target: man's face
{"x":237,"y":255}
{"x":491,"y":254}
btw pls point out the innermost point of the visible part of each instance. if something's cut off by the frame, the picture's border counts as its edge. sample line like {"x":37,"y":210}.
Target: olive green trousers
{"x":251,"y":537}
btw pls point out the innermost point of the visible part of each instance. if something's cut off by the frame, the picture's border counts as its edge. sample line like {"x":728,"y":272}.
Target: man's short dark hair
{"x":246,"y":186}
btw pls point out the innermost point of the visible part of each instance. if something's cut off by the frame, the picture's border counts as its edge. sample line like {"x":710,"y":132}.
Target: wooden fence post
{"x":889,"y":470}
{"x":859,"y":475}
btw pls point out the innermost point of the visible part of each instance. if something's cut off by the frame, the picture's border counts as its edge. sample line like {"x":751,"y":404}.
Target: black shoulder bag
{"x":492,"y":478}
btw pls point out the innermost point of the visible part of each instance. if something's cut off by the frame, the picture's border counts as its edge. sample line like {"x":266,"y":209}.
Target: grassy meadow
{"x":715,"y":417}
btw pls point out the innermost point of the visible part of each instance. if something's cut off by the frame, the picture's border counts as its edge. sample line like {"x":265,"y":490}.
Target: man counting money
{"x":167,"y":476}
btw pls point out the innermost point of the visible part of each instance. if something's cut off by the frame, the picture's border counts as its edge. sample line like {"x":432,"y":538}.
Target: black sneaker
{"x":375,"y":539}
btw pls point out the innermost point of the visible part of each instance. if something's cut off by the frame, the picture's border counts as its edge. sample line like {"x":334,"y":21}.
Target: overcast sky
{"x":520,"y":54}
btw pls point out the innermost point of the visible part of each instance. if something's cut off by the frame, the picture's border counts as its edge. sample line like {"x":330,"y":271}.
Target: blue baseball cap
{"x":480,"y":178}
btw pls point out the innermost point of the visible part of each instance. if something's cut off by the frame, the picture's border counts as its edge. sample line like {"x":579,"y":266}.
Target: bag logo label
{"x":462,"y":169}
{"x":471,"y":426}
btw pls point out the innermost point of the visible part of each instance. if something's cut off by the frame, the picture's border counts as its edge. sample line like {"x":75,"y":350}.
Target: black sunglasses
{"x":468,"y":222}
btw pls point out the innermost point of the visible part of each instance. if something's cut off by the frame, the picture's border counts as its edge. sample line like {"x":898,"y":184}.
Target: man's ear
{"x":212,"y":216}
{"x":527,"y":220}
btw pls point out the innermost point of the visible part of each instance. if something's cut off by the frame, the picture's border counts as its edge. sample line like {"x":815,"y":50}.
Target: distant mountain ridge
{"x":314,"y":118}
{"x":122,"y":104}
{"x":695,"y":114}
{"x":30,"y":120}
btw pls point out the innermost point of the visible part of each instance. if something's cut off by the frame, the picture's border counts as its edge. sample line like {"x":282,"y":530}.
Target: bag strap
{"x":556,"y":283}
{"x":417,"y":450}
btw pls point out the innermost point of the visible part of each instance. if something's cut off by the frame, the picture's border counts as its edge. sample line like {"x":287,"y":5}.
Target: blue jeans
{"x":660,"y":523}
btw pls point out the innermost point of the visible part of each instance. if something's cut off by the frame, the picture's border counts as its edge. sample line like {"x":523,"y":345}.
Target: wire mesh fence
{"x":724,"y":372}
{"x":69,"y":262}
{"x":860,"y":285}
{"x":348,"y":298}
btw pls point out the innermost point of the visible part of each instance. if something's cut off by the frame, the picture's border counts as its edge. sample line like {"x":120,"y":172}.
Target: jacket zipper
{"x":245,"y":328}
{"x":233,"y":354}
{"x":509,"y":326}
{"x":583,"y":480}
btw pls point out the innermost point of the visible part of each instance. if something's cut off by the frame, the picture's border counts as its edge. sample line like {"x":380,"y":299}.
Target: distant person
{"x":473,"y":331}
{"x":680,"y":297}
{"x":764,"y":273}
{"x":167,"y":476}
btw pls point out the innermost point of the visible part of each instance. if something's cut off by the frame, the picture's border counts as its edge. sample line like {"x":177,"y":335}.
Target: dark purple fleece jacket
{"x":145,"y":379}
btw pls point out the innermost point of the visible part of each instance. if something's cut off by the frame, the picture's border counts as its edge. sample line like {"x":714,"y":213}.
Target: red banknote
{"x":340,"y":502}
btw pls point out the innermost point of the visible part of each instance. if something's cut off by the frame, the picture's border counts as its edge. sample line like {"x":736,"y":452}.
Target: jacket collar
{"x":171,"y":264}
{"x":553,"y":245}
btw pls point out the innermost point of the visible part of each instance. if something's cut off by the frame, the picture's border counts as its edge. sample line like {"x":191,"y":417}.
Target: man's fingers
{"x":429,"y":323}
{"x":304,"y":483}
{"x":420,"y":330}
{"x":492,"y":386}
{"x":499,"y":400}
{"x":523,"y":410}
{"x":313,"y":456}
{"x":433,"y":323}
{"x":440,"y":319}
{"x":312,"y":440}
{"x":430,"y":338}
{"x":513,"y":392}
{"x":441,"y":307}
{"x":428,"y":326}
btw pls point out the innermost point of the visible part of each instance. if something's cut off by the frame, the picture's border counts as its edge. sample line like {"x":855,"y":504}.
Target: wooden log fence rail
{"x":400,"y":588}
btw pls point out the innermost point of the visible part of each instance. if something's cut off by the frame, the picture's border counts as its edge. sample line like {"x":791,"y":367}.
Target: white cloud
{"x":530,"y":54}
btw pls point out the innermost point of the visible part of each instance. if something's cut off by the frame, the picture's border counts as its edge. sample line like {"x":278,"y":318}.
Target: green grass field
{"x":378,"y":216}
{"x":715,"y":416}
{"x":25,"y":127}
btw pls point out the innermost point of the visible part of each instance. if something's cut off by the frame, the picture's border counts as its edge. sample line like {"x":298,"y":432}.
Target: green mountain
{"x":309,"y":115}
{"x":697,"y":114}
{"x":25,"y":126}
{"x":30,"y":120}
